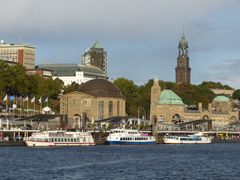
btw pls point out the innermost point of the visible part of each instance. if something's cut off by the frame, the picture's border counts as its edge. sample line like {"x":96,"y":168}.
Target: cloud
{"x":106,"y":16}
{"x":142,"y":32}
{"x":228,"y":65}
{"x":226,"y":72}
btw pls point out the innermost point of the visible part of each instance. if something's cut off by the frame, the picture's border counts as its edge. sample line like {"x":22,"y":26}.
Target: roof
{"x":101,"y":88}
{"x":97,"y":45}
{"x":71,"y":69}
{"x":221,"y":99}
{"x":60,"y":69}
{"x":183,"y":42}
{"x":90,"y":68}
{"x":169,"y":97}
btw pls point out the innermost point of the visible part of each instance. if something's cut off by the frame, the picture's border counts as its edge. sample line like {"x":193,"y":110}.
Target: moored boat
{"x":129,"y":137}
{"x":60,"y":138}
{"x":197,"y":138}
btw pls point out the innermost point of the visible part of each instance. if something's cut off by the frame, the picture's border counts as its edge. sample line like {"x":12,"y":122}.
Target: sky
{"x":140,"y":36}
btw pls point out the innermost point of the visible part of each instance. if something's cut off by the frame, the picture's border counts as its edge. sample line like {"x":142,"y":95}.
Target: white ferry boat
{"x":127,"y":137}
{"x":60,"y":138}
{"x":190,"y":139}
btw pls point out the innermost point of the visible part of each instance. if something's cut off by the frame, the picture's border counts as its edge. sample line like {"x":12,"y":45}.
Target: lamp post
{"x":145,"y":114}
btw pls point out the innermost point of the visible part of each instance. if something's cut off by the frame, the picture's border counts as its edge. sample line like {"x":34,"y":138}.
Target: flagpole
{"x":34,"y":107}
{"x":23,"y":102}
{"x":6,"y":105}
{"x":9,"y":110}
{"x":40,"y":101}
{"x":20,"y":106}
{"x":41,"y":107}
{"x":27,"y":106}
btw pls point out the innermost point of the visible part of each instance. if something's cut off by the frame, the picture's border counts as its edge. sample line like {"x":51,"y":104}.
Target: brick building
{"x":96,"y":99}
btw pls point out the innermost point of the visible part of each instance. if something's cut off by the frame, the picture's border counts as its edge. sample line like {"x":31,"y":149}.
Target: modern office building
{"x":41,"y":72}
{"x":18,"y":53}
{"x":183,"y":70}
{"x":96,"y":56}
{"x":70,"y":73}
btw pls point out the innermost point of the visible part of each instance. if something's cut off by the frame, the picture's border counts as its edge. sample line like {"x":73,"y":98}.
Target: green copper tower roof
{"x":221,"y":99}
{"x":183,"y":42}
{"x":169,"y":97}
{"x":97,"y":45}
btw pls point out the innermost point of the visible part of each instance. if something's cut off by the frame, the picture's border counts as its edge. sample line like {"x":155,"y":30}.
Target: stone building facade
{"x":96,"y":99}
{"x":168,"y":107}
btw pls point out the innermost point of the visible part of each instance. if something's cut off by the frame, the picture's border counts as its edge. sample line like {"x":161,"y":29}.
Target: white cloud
{"x":63,"y":29}
{"x":121,"y":17}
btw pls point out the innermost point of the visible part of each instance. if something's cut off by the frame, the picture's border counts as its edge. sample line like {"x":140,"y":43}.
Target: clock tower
{"x":183,"y":71}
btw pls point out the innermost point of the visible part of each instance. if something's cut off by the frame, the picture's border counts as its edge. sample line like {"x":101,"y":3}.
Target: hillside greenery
{"x":15,"y":81}
{"x":138,"y":97}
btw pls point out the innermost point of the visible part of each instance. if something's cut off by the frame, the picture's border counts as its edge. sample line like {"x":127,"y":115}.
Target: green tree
{"x":215,"y":85}
{"x":144,"y":98}
{"x":4,"y":67}
{"x":129,"y":91}
{"x":236,"y":94}
{"x":72,"y":87}
{"x":16,"y":80}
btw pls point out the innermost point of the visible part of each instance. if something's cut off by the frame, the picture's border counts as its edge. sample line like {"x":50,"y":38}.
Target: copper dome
{"x":100,"y":88}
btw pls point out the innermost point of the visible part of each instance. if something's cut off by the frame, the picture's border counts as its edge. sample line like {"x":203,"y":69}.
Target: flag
{"x":5,"y":98}
{"x":46,"y":100}
{"x":33,"y":100}
{"x":11,"y":98}
{"x":40,"y":100}
{"x":25,"y":99}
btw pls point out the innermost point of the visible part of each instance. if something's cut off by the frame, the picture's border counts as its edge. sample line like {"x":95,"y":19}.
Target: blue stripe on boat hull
{"x":129,"y":143}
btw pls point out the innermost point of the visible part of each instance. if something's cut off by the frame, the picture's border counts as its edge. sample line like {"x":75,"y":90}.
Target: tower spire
{"x":183,"y":33}
{"x":183,"y":71}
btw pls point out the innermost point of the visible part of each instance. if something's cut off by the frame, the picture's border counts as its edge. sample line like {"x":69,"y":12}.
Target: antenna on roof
{"x":20,"y":38}
{"x":183,"y":32}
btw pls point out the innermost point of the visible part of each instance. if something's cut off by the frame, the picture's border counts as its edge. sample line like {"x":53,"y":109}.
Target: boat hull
{"x":49,"y":144}
{"x":172,"y":141}
{"x":130,"y":142}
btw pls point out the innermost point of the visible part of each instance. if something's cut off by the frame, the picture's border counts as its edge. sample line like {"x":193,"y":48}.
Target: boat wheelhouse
{"x":126,"y":136}
{"x":198,"y":138}
{"x":60,"y":138}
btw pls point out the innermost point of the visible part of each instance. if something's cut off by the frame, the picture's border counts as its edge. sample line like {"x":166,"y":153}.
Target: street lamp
{"x":145,"y":114}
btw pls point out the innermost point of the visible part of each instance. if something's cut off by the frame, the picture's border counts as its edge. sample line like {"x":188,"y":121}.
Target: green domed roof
{"x":183,"y":43}
{"x":221,"y":99}
{"x":169,"y":97}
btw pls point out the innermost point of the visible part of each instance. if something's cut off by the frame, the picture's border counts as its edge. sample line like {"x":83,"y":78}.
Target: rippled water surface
{"x":209,"y":161}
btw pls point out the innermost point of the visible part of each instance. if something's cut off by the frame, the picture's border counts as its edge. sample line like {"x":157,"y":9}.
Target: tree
{"x":50,"y":88}
{"x":144,"y":98}
{"x":236,"y":94}
{"x":72,"y":87}
{"x":129,"y":91}
{"x":16,"y":80}
{"x":215,"y":85}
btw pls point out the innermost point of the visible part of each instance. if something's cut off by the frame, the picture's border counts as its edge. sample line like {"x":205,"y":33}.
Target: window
{"x":110,"y":108}
{"x":118,"y":107}
{"x":100,"y":110}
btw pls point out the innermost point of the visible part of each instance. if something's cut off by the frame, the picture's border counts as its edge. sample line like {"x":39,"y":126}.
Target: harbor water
{"x":161,"y":161}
